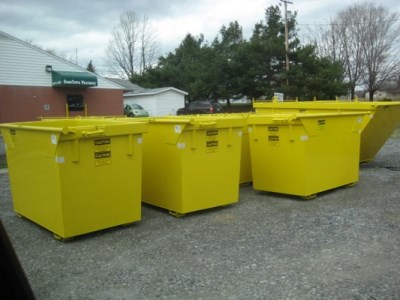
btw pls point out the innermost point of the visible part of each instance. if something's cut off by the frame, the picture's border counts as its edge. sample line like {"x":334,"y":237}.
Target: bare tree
{"x":363,"y":38}
{"x":149,"y":48}
{"x":350,"y":38}
{"x":132,"y":47}
{"x":380,"y":45}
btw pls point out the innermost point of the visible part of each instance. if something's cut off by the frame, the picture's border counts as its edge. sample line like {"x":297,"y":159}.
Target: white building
{"x":158,"y":102}
{"x":34,"y":83}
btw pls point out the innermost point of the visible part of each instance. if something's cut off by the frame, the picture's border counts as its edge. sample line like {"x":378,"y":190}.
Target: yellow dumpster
{"x":191,"y":163}
{"x":300,"y":154}
{"x":245,"y":160}
{"x":75,"y":176}
{"x":385,"y":118}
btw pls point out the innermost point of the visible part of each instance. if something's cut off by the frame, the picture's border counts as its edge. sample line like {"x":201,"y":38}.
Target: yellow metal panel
{"x":245,"y":159}
{"x":36,"y":195}
{"x":383,"y":123}
{"x":75,"y":176}
{"x":304,"y":154}
{"x":199,"y":171}
{"x":385,"y":117}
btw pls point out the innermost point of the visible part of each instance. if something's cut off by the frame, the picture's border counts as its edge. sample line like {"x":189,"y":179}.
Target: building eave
{"x":150,"y":92}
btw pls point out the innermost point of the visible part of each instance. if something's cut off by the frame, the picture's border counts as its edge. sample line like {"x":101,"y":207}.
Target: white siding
{"x":24,"y":65}
{"x":161,"y":104}
{"x":168,"y":103}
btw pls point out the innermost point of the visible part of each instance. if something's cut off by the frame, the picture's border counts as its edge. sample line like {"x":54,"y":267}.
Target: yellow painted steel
{"x":304,"y":154}
{"x":191,"y":163}
{"x":385,"y":118}
{"x":75,"y":176}
{"x":245,"y":158}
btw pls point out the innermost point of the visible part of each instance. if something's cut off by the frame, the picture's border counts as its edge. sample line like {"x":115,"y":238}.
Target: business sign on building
{"x":73,"y":79}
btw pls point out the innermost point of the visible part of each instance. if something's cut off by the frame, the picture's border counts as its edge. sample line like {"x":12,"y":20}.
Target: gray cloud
{"x":72,"y":25}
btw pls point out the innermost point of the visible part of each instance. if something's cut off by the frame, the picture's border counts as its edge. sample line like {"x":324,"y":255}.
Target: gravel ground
{"x":345,"y":244}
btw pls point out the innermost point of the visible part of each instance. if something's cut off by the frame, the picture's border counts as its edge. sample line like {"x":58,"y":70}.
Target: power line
{"x":359,"y":23}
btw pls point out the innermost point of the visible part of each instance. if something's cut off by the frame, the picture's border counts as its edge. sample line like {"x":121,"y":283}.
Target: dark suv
{"x":201,"y":107}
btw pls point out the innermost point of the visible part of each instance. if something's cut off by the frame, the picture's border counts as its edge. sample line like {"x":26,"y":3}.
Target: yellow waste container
{"x":192,"y":163}
{"x":245,"y":160}
{"x":75,"y":176}
{"x":300,"y":154}
{"x":385,"y":118}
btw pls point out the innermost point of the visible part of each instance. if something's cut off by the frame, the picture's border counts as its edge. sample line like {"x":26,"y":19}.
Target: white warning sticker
{"x":53,"y":139}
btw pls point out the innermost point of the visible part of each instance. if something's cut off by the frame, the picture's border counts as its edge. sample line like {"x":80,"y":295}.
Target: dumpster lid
{"x":81,"y":128}
{"x":324,"y":104}
{"x":203,"y":121}
{"x":295,"y":117}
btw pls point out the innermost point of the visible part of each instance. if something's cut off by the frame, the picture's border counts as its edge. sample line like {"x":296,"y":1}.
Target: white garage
{"x":158,"y":102}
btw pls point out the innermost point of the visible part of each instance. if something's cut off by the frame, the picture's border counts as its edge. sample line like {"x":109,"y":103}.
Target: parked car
{"x":201,"y":107}
{"x":135,"y":110}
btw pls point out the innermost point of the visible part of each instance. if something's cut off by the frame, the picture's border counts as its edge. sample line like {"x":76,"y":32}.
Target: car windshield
{"x":137,"y":106}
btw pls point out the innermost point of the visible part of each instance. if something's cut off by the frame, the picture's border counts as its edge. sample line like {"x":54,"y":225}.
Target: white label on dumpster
{"x":303,"y":138}
{"x":139,"y":140}
{"x":181,"y":145}
{"x":359,"y":120}
{"x":178,"y":129}
{"x":53,"y":139}
{"x":240,"y":133}
{"x":60,"y":159}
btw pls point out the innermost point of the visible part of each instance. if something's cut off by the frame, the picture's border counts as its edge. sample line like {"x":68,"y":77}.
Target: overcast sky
{"x":83,"y":27}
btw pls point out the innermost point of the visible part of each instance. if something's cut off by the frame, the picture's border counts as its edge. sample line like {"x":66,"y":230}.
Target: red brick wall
{"x":19,"y":103}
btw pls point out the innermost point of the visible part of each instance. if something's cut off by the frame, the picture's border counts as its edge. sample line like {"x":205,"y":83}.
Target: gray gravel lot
{"x":345,"y":244}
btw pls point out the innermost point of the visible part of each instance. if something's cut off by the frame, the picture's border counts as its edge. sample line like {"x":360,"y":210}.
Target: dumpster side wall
{"x":307,"y":157}
{"x":75,"y":179}
{"x":278,"y":163}
{"x":162,"y":167}
{"x":187,"y":168}
{"x":211,"y":167}
{"x":385,"y":119}
{"x":384,"y":122}
{"x":100,"y":192}
{"x":245,"y":160}
{"x":34,"y":177}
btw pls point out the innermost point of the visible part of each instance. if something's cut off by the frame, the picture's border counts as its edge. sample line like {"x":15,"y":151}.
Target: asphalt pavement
{"x":344,"y":244}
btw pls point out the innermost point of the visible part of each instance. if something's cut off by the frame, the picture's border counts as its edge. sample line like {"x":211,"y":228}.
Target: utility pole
{"x":286,"y":37}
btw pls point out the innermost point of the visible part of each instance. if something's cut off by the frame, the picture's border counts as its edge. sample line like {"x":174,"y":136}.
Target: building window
{"x":75,"y":102}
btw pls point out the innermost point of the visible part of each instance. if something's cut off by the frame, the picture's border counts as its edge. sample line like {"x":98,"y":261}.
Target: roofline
{"x":56,"y":57}
{"x":126,"y":89}
{"x":147,"y":92}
